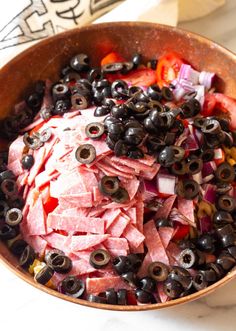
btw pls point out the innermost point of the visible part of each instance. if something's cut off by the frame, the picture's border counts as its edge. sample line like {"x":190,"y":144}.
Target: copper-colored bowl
{"x":45,"y":59}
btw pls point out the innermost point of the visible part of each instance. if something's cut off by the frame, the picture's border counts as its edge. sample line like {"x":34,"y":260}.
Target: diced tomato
{"x":112,"y":58}
{"x":143,"y":77}
{"x":50,"y":204}
{"x":209,"y":105}
{"x":226,"y":105}
{"x":168,"y":68}
{"x":182,"y":231}
{"x":131,"y":300}
{"x":36,"y":128}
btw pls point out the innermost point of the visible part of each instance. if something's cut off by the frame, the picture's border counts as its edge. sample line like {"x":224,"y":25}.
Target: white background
{"x":23,"y":307}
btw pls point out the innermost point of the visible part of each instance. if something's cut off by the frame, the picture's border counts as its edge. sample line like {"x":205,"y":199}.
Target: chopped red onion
{"x":190,"y":143}
{"x":208,"y":168}
{"x":206,"y":79}
{"x":182,"y":137}
{"x":205,"y":224}
{"x":198,"y":178}
{"x":218,"y":154}
{"x":166,"y":183}
{"x":209,"y":193}
{"x":188,"y":73}
{"x":149,"y":189}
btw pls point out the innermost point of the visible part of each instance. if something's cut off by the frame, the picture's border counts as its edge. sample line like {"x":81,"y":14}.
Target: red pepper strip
{"x":182,"y":231}
{"x":112,"y":58}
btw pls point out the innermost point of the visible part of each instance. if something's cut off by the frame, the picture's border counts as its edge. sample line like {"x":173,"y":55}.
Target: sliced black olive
{"x":170,"y":138}
{"x":79,"y":101}
{"x":207,"y":155}
{"x":13,"y":216}
{"x":101,"y":111}
{"x":127,"y":67}
{"x":99,"y":258}
{"x":165,"y":120}
{"x":152,"y":64}
{"x":190,"y":108}
{"x":45,"y":135}
{"x":16,"y":246}
{"x":149,"y":125}
{"x":120,"y":111}
{"x":226,"y":235}
{"x":136,"y":60}
{"x":206,"y":243}
{"x":120,"y":148}
{"x":116,"y":128}
{"x":134,"y":261}
{"x":232,"y":251}
{"x":27,"y":161}
{"x":120,"y":196}
{"x":188,"y":189}
{"x":186,"y":243}
{"x":60,"y":91}
{"x":94,"y":74}
{"x":219,"y":272}
{"x":80,"y":62}
{"x":154,"y":92}
{"x":154,"y":144}
{"x":32,"y":142}
{"x":61,"y":264}
{"x":7,"y":174}
{"x":15,"y":201}
{"x":121,"y":264}
{"x":110,"y":120}
{"x":49,"y":256}
{"x":187,"y":258}
{"x":7,"y":232}
{"x":119,"y":89}
{"x":110,"y":142}
{"x":185,"y":279}
{"x":158,"y":271}
{"x":199,"y":281}
{"x":135,"y":153}
{"x":94,"y":130}
{"x":85,"y":154}
{"x":214,"y":140}
{"x":211,"y":126}
{"x":172,"y":288}
{"x":226,"y":261}
{"x":143,"y":296}
{"x":34,"y":101}
{"x":220,"y":218}
{"x":134,"y":136}
{"x":27,"y":257}
{"x":44,"y":275}
{"x":163,"y":222}
{"x":3,"y":208}
{"x":179,"y":168}
{"x":96,"y":298}
{"x":179,"y":153}
{"x":167,"y":94}
{"x":71,"y":76}
{"x":122,"y":297}
{"x":72,"y":286}
{"x":61,"y":107}
{"x":194,"y":166}
{"x":130,"y":278}
{"x":147,"y":284}
{"x":167,"y":156}
{"x":226,"y":203}
{"x":111,"y":296}
{"x":108,"y":185}
{"x":9,"y":187}
{"x":112,"y":68}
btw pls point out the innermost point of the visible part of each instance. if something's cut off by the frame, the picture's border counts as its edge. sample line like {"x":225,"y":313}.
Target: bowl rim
{"x":28,"y":278}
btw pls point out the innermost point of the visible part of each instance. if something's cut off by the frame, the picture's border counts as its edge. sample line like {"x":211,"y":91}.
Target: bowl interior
{"x":45,"y":59}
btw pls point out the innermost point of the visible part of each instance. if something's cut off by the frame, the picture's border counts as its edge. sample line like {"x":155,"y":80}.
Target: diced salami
{"x":44,"y":178}
{"x":151,"y":173}
{"x":116,"y":243}
{"x":139,"y":213}
{"x":79,"y":200}
{"x":174,"y":250}
{"x":131,"y":212}
{"x":117,"y":227}
{"x":134,"y":164}
{"x":134,"y":236}
{"x":39,"y":157}
{"x":186,"y":208}
{"x":154,"y":243}
{"x":80,"y":243}
{"x":110,"y":215}
{"x":16,"y":150}
{"x":164,"y":211}
{"x":131,"y":186}
{"x":37,"y":243}
{"x":59,"y":241}
{"x":110,"y":171}
{"x":143,"y":271}
{"x":118,"y":252}
{"x":75,"y":223}
{"x":36,"y":219}
{"x":166,"y":233}
{"x":98,"y":285}
{"x":16,"y":167}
